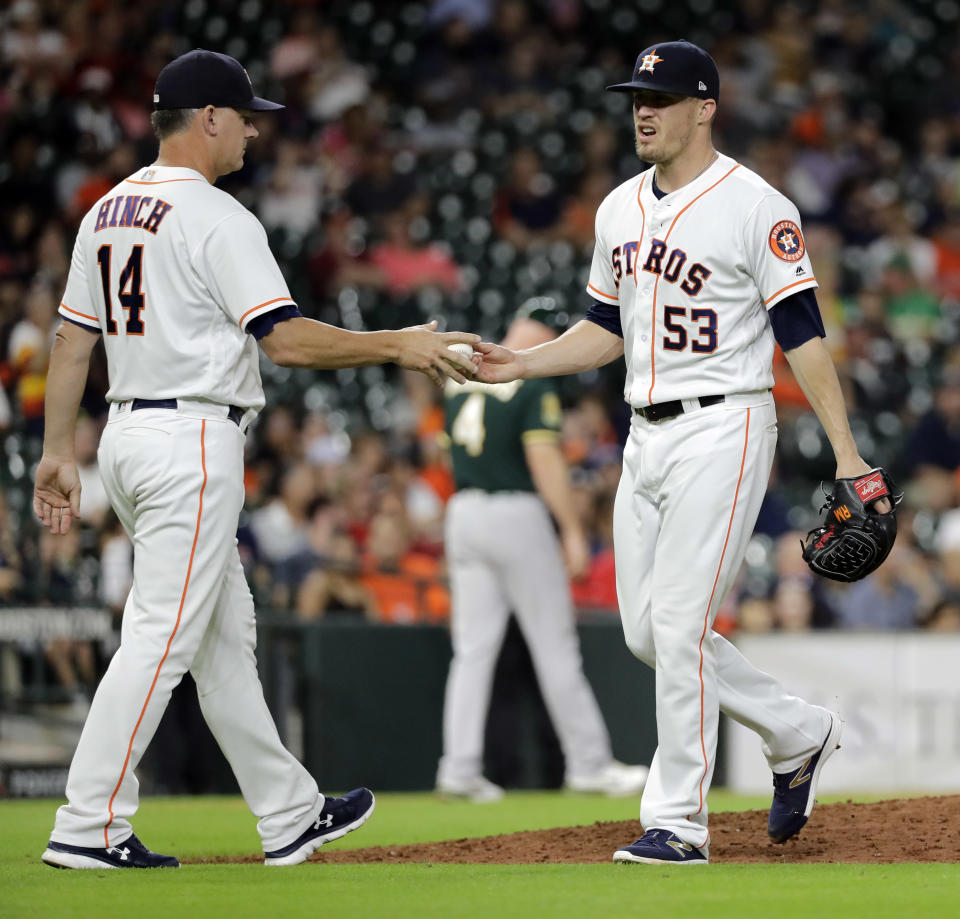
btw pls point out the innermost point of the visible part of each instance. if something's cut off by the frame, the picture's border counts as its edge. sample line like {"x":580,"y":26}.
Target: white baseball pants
{"x":686,"y":506}
{"x":175,"y":479}
{"x":503,"y":556}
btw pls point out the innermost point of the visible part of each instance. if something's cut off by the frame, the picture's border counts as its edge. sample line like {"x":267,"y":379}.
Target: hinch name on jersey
{"x":624,"y":262}
{"x":131,"y":211}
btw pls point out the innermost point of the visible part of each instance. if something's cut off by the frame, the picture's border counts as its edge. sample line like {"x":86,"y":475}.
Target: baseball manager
{"x":176,"y":278}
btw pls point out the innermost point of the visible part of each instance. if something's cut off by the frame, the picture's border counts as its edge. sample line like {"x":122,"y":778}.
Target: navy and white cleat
{"x":338,"y":817}
{"x":131,"y":853}
{"x":794,"y":792}
{"x":661,"y":847}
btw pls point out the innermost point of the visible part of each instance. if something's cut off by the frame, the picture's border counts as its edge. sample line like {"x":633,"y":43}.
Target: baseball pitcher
{"x":699,"y":268}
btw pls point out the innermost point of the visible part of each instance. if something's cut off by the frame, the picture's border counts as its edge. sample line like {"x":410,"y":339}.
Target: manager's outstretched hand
{"x":425,"y":349}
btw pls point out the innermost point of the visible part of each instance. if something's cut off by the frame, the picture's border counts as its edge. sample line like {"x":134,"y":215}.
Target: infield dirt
{"x":903,"y":830}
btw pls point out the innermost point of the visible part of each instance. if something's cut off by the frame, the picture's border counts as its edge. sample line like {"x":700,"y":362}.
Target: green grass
{"x":194,"y":828}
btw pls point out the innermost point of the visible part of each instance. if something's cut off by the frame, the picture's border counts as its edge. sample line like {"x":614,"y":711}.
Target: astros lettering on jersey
{"x":686,"y":288}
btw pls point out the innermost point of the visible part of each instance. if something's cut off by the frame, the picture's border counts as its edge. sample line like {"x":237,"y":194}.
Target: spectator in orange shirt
{"x":406,"y":585}
{"x":29,"y":354}
{"x":577,"y":223}
{"x":336,"y":587}
{"x":121,"y":162}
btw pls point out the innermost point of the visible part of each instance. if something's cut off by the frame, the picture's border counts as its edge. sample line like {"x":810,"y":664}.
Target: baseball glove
{"x":854,"y":538}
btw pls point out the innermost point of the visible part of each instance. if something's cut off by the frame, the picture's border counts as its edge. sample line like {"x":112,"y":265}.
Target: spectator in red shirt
{"x":407,"y":266}
{"x":947,"y":243}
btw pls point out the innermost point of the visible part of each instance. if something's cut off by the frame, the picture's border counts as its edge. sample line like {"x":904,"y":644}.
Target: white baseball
{"x":466,"y":350}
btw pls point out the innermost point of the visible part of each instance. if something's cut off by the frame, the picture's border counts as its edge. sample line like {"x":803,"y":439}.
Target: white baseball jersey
{"x":171,"y":270}
{"x":693,"y":274}
{"x":167,"y":229}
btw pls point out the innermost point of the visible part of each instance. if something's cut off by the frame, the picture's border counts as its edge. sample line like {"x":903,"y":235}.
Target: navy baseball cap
{"x":674,"y":67}
{"x":200,"y":78}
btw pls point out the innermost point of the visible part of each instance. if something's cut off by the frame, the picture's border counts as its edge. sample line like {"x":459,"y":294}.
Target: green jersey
{"x":488,"y":425}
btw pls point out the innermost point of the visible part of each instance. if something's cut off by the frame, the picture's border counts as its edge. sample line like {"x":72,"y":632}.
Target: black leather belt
{"x":664,"y":410}
{"x":234,"y":412}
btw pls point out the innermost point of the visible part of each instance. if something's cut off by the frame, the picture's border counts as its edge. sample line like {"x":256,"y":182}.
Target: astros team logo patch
{"x":648,"y":62}
{"x":786,"y":241}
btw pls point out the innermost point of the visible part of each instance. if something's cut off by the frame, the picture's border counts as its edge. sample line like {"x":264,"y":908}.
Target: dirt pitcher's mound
{"x":906,"y":830}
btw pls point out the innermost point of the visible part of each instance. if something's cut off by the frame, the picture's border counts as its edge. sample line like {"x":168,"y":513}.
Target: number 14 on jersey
{"x":129,"y":294}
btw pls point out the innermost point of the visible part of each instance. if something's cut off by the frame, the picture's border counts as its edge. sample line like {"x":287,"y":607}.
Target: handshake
{"x":458,"y":356}
{"x":539,"y":321}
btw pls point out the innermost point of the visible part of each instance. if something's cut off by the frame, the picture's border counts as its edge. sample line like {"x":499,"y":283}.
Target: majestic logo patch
{"x":871,"y":487}
{"x":649,"y":62}
{"x":786,"y":241}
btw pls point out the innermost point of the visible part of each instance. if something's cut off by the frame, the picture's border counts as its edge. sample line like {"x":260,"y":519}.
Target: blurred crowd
{"x":445,"y":159}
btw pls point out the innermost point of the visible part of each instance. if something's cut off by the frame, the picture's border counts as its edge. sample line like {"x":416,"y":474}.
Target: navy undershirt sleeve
{"x":262,"y":325}
{"x":606,"y":316}
{"x":796,"y":319}
{"x":82,"y":325}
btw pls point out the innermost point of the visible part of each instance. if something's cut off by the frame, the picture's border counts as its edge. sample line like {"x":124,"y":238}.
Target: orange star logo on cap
{"x":649,"y":61}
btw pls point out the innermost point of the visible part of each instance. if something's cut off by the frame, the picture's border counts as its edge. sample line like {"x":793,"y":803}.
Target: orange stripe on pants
{"x":706,"y":617}
{"x":176,"y":625}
